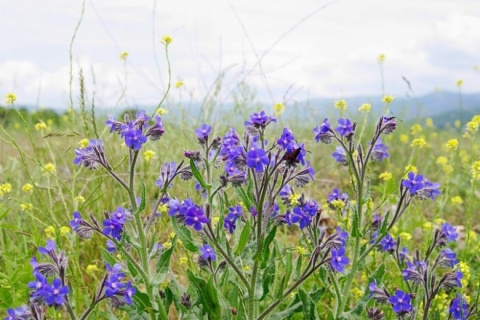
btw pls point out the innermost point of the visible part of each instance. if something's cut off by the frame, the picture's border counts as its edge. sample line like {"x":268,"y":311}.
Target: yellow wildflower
{"x":172,"y":235}
{"x":365,"y":108}
{"x":420,"y":142}
{"x":405,"y":236}
{"x":341,"y":104}
{"x":179,"y":242}
{"x":64,"y":231}
{"x":429,"y":122}
{"x":167,"y":40}
{"x":79,"y":199}
{"x":465,"y":270}
{"x":339,"y":204}
{"x":10,"y":98}
{"x":5,"y":188}
{"x":215,"y":221}
{"x":394,"y":230}
{"x":246,"y":268}
{"x":452,"y":145}
{"x":442,"y":160}
{"x":357,"y":293}
{"x":148,"y":155}
{"x":162,"y":111}
{"x":381,"y":58}
{"x":293,"y":198}
{"x":457,"y":124}
{"x":388,"y":99}
{"x":385,"y":176}
{"x":40,"y":126}
{"x":412,"y":168}
{"x":50,"y":232}
{"x":416,"y":128}
{"x":459,"y":83}
{"x":167,"y":245}
{"x":279,"y":108}
{"x":178,"y":84}
{"x":183,"y":261}
{"x":123,"y":55}
{"x":427,"y":226}
{"x":91,"y":269}
{"x":475,"y":169}
{"x":16,"y":125}
{"x":26,"y":206}
{"x":301,"y":250}
{"x":439,"y":221}
{"x":472,"y":235}
{"x":49,"y":168}
{"x":162,"y":208}
{"x":404,"y":138}
{"x":83,"y":143}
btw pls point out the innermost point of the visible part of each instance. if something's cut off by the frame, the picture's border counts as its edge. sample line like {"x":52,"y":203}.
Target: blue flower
{"x":134,"y":138}
{"x":400,"y":302}
{"x":459,"y":308}
{"x":195,"y":217}
{"x":449,"y":257}
{"x":323,"y":133}
{"x":203,"y":131}
{"x":260,"y":120}
{"x":21,"y":313}
{"x":111,"y":247}
{"x":298,"y":216}
{"x":50,"y":247}
{"x":77,"y":219}
{"x":449,"y":232}
{"x":55,"y":294}
{"x":339,"y":261}
{"x":379,"y":151}
{"x":413,"y":183}
{"x":256,"y":159}
{"x":38,"y":286}
{"x":287,"y":139}
{"x":337,"y":195}
{"x":129,"y":292}
{"x":208,"y":252}
{"x":340,"y":156}
{"x":311,"y":207}
{"x":387,"y":243}
{"x":114,"y":225}
{"x":345,"y":127}
{"x":113,"y":285}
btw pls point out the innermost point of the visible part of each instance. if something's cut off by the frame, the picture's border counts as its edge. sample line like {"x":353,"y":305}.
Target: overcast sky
{"x":305,"y":51}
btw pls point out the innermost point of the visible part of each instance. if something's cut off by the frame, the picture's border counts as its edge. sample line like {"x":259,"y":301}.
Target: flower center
{"x":56,"y":291}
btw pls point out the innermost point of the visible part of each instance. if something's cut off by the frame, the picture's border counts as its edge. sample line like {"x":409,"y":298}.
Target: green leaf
{"x":266,"y":249}
{"x":245,"y":235}
{"x":107,"y":256}
{"x":206,"y":295}
{"x":243,"y":195}
{"x":285,"y":314}
{"x":185,"y":235}
{"x":163,"y":265}
{"x":198,"y":175}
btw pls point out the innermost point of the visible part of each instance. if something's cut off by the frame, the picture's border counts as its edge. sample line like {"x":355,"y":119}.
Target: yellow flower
{"x":301,"y":250}
{"x":64,"y":231}
{"x":183,"y":261}
{"x":91,"y":269}
{"x":472,"y":235}
{"x":10,"y":98}
{"x":162,"y":208}
{"x":172,"y":235}
{"x":294,"y":198}
{"x":427,"y":226}
{"x":385,"y":176}
{"x":5,"y":188}
{"x":79,"y":199}
{"x":178,"y":84}
{"x":148,"y":155}
{"x":420,"y":142}
{"x":366,"y":107}
{"x":162,"y":111}
{"x":405,"y":236}
{"x":388,"y":99}
{"x":394,"y":230}
{"x":416,"y":128}
{"x":452,"y":145}
{"x":292,"y":295}
{"x":40,"y":126}
{"x":50,"y":232}
{"x":339,"y":204}
{"x":412,"y":168}
{"x":341,"y":104}
{"x":357,"y":293}
{"x":404,"y":138}
{"x":429,"y":122}
{"x":167,"y":40}
{"x":465,"y":270}
{"x":179,"y":242}
{"x":167,"y":245}
{"x":439,"y":221}
{"x":26,"y":206}
{"x":124,"y":55}
{"x":49,"y":168}
{"x":83,"y":143}
{"x":246,"y":268}
{"x":215,"y":221}
{"x":442,"y":160}
{"x":475,"y":169}
{"x":459,"y":83}
{"x":457,"y":123}
{"x":279,"y":108}
{"x":381,"y":58}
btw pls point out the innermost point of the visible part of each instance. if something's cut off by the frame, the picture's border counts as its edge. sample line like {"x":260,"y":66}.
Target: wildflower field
{"x":256,"y":211}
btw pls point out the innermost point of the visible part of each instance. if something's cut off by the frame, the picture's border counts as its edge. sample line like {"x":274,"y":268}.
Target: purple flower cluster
{"x":421,"y":187}
{"x":188,"y":211}
{"x":401,"y":302}
{"x":340,"y":156}
{"x":324,"y":133}
{"x":459,"y":308}
{"x":52,"y":294}
{"x":257,"y":159}
{"x":336,"y":195}
{"x":379,"y":151}
{"x":302,"y":213}
{"x":260,"y":120}
{"x":286,"y":140}
{"x":114,"y":287}
{"x":91,"y":156}
{"x":208,"y":253}
{"x":114,"y":226}
{"x":20,"y":313}
{"x":232,"y":217}
{"x":136,"y":132}
{"x":345,"y":127}
{"x":339,"y":261}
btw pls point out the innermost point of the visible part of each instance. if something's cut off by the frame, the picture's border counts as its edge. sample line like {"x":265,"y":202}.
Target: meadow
{"x":255,"y":272}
